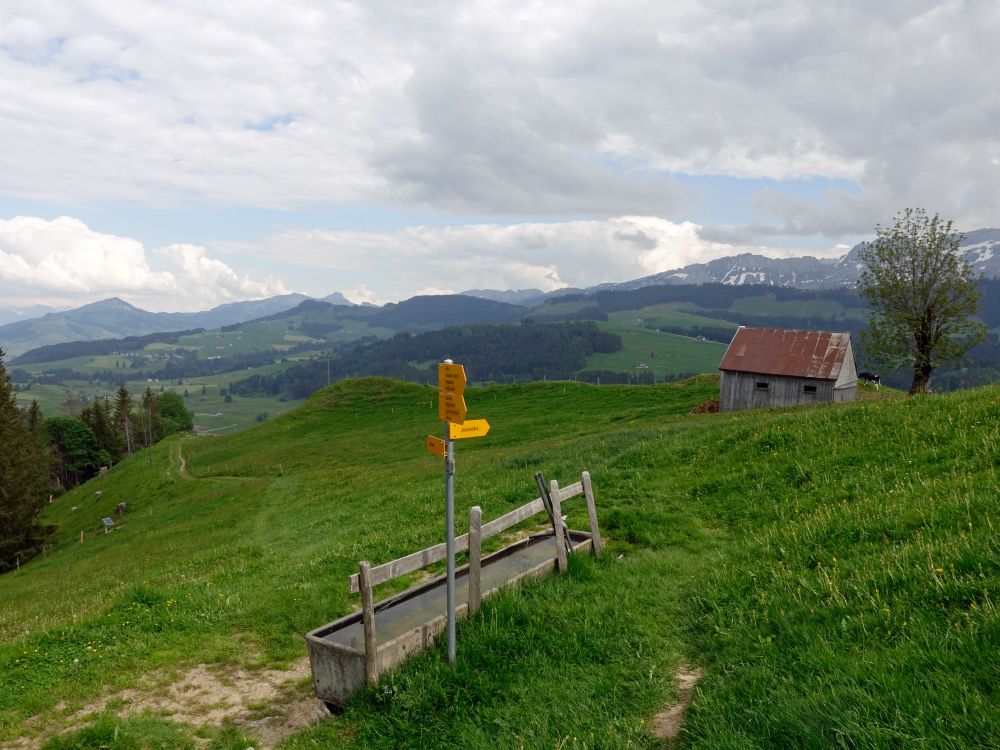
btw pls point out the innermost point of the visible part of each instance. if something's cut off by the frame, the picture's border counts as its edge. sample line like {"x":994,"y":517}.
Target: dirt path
{"x":270,"y":704}
{"x":182,"y":468}
{"x":667,"y":724}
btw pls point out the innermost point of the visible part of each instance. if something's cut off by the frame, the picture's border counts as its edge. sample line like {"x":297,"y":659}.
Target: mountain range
{"x":115,"y":318}
{"x":981,"y":248}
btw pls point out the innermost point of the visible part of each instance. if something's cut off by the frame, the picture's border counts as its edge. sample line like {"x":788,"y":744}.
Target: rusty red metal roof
{"x":778,"y":351}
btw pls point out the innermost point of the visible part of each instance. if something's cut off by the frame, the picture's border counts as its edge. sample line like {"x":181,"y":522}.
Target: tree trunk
{"x":921,"y":378}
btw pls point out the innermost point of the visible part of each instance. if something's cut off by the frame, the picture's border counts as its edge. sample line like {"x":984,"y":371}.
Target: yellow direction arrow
{"x":472,"y":429}
{"x":435,"y":445}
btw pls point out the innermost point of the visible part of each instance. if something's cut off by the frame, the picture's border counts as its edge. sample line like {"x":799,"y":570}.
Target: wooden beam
{"x":504,"y":522}
{"x":475,"y":530}
{"x":595,"y":532}
{"x":430,"y":555}
{"x":415,"y":561}
{"x":572,"y":491}
{"x":368,"y":622}
{"x":557,"y":525}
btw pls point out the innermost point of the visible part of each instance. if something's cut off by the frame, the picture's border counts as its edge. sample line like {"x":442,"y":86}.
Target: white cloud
{"x":204,"y":273}
{"x":65,"y":262}
{"x":546,"y":256}
{"x":65,"y":255}
{"x":507,"y":109}
{"x":513,"y":111}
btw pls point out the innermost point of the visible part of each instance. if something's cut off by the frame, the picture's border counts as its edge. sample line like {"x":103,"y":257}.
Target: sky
{"x":181,"y":155}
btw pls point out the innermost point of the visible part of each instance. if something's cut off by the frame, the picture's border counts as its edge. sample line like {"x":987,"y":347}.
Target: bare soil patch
{"x":270,"y":704}
{"x":709,"y":407}
{"x":667,"y":724}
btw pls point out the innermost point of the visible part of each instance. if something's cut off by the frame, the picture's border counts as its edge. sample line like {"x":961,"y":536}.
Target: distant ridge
{"x":338,"y":299}
{"x":115,"y":318}
{"x":982,"y":251}
{"x":16,"y":314}
{"x":511,"y":296}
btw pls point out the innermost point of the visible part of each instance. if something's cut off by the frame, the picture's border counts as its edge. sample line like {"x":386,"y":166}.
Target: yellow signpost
{"x":451,"y":377}
{"x":451,"y":386}
{"x":452,"y":411}
{"x":436,"y":446}
{"x":472,"y":428}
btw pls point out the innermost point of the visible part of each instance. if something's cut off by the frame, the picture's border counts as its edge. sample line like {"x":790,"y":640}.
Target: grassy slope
{"x":665,"y":353}
{"x":833,"y":569}
{"x":667,"y":314}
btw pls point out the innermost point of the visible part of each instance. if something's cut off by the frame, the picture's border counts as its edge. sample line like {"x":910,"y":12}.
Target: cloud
{"x":64,"y":255}
{"x":507,"y":110}
{"x":63,"y":261}
{"x":546,"y":256}
{"x":201,"y":272}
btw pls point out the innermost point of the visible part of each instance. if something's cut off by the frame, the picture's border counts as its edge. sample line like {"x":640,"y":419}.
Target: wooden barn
{"x":765,"y":367}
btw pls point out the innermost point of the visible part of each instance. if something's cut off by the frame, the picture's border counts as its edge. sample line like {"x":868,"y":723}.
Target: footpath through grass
{"x":833,"y":571}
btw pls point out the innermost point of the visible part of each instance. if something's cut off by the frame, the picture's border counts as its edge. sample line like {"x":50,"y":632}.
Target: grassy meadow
{"x":665,"y":354}
{"x":833,"y":571}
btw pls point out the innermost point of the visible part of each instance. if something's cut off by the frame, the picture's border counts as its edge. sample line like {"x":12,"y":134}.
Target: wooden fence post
{"x":561,"y":562}
{"x":368,"y":621}
{"x":475,"y":552}
{"x":595,"y":533}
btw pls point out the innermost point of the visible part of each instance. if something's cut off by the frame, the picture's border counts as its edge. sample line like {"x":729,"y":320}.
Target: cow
{"x":870,"y":377}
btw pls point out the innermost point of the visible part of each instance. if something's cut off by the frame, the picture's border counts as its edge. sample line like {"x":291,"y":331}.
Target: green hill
{"x":833,"y":572}
{"x":115,"y":318}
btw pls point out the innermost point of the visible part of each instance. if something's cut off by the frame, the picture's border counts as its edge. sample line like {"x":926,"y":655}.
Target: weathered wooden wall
{"x":738,"y":391}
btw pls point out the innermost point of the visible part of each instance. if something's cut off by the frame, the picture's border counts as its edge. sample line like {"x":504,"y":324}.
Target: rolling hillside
{"x":832,"y":572}
{"x":115,"y":318}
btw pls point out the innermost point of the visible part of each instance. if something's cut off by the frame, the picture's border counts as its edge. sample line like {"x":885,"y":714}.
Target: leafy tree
{"x":76,"y":454}
{"x":923,"y":296}
{"x":174,"y":415}
{"x":24,"y":477}
{"x":123,"y":417}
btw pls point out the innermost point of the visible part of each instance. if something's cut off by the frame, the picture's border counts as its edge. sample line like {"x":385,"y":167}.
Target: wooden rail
{"x":367,"y":577}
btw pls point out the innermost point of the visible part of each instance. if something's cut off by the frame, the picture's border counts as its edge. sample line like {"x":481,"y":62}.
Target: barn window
{"x":809,"y":389}
{"x":761,"y":385}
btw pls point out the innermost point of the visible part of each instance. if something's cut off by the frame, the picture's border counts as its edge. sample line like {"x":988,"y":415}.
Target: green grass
{"x":667,"y":314}
{"x":147,"y":732}
{"x":834,"y":570}
{"x":665,"y":353}
{"x":768,"y":304}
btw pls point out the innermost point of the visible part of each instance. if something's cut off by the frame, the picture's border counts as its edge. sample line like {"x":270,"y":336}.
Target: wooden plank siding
{"x":738,"y":391}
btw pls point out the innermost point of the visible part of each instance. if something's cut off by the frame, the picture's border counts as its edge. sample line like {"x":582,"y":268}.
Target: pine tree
{"x":76,"y":455}
{"x":35,"y":425}
{"x":123,"y":417}
{"x":98,"y":417}
{"x":149,"y":418}
{"x":24,"y":476}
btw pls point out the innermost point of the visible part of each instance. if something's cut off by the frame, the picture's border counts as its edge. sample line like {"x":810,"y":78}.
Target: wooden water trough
{"x":356,"y":649}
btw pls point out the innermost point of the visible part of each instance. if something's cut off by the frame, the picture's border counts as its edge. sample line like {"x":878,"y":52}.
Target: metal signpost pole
{"x":449,"y":532}
{"x":449,"y":520}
